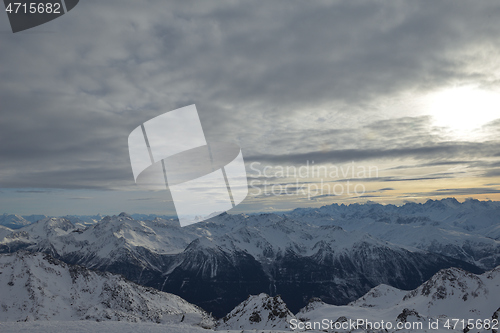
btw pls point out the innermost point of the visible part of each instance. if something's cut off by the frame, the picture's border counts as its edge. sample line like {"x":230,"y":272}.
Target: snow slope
{"x":451,"y":293}
{"x":109,"y":327}
{"x":38,"y":287}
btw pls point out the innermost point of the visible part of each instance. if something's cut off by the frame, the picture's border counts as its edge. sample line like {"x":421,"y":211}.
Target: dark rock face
{"x":403,"y":316}
{"x":217,"y":279}
{"x":214,"y":279}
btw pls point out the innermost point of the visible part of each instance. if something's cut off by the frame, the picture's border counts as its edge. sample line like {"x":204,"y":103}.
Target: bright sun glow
{"x":462,"y":109}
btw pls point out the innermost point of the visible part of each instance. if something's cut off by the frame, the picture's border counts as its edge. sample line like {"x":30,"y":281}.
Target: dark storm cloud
{"x":255,"y":69}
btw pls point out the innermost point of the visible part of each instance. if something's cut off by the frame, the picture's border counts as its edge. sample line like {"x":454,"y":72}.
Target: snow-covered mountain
{"x":258,"y":312}
{"x":13,"y":221}
{"x":38,"y":287}
{"x":102,"y":240}
{"x":470,"y":215}
{"x":285,"y":256}
{"x":85,"y":220}
{"x":34,"y":217}
{"x":151,"y":217}
{"x":218,"y":263}
{"x":450,"y":294}
{"x":469,"y":231}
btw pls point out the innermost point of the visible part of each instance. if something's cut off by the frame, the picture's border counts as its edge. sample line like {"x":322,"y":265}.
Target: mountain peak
{"x":50,"y":225}
{"x":449,"y":282}
{"x":258,"y":312}
{"x":202,"y":243}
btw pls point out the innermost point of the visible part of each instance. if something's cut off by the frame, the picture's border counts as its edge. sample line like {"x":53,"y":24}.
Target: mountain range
{"x":335,"y":253}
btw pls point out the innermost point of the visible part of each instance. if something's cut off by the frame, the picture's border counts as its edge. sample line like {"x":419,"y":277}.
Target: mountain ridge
{"x":216,"y":264}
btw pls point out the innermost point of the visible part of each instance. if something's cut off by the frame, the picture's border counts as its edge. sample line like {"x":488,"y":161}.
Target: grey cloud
{"x":142,"y":199}
{"x":459,"y":191}
{"x":441,"y":150}
{"x":386,"y":189}
{"x":70,"y":98}
{"x":471,"y":163}
{"x":33,"y":191}
{"x":492,"y":173}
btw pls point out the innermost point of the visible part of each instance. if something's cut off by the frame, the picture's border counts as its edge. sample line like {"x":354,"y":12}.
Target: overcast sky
{"x":408,"y":88}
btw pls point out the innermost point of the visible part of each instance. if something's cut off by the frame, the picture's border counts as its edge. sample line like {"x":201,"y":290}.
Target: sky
{"x":330,"y":101}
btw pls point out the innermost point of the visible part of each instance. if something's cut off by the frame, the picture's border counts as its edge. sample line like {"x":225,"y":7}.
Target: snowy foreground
{"x":125,"y":327}
{"x":92,"y":326}
{"x":108,"y":327}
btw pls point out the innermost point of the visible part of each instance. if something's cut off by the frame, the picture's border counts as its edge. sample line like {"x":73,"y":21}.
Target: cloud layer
{"x":289,"y":81}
